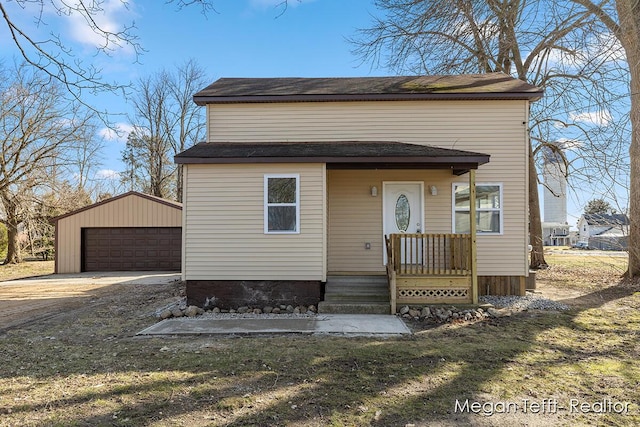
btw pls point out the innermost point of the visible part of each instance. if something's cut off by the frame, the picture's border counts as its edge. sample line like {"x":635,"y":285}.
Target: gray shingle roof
{"x":467,"y":86}
{"x":366,"y":154}
{"x":606,"y":220}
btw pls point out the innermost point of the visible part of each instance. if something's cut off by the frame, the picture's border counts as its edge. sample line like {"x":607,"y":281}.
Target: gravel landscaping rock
{"x":528,"y":302}
{"x":179,"y":309}
{"x":501,"y":306}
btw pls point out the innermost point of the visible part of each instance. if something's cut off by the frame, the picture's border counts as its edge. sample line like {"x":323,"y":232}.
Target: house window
{"x":488,"y":208}
{"x":282,"y":204}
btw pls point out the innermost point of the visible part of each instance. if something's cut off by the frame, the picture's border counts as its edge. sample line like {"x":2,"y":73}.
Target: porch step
{"x":356,"y":295}
{"x":360,"y":308}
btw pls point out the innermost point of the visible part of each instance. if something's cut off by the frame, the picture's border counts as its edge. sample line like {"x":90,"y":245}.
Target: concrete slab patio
{"x":340,"y":324}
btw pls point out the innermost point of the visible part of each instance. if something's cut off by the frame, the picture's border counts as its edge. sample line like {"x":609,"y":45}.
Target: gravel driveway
{"x":28,"y":300}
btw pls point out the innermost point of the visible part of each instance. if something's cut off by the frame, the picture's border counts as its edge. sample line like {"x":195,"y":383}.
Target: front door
{"x":403,"y":210}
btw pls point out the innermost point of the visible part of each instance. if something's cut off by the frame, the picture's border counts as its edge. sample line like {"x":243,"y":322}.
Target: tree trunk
{"x":13,"y":245}
{"x":179,"y":173}
{"x":535,"y":224}
{"x":629,"y":15}
{"x":12,"y":221}
{"x":634,"y":180}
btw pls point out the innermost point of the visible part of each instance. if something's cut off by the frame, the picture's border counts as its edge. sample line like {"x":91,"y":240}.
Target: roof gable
{"x":466,"y":86}
{"x":156,"y":199}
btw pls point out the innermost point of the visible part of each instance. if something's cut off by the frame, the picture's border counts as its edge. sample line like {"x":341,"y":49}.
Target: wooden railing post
{"x":421,"y":254}
{"x":472,"y":231}
{"x":392,"y":291}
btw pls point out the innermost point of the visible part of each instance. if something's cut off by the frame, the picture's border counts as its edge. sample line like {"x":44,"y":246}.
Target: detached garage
{"x":130,"y":232}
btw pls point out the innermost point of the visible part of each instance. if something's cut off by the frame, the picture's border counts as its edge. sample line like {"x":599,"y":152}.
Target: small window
{"x":488,"y":208}
{"x":281,"y":204}
{"x":403,"y":213}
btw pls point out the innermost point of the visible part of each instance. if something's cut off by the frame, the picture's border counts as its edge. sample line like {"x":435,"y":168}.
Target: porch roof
{"x":336,"y":154}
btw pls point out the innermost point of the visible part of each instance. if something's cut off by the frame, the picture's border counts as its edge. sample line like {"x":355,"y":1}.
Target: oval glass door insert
{"x":403,"y":213}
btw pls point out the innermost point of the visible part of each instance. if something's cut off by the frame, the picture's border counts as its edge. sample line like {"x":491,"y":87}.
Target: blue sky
{"x":242,"y":38}
{"x":248,"y":38}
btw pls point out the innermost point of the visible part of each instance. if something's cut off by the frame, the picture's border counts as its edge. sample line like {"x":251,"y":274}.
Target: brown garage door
{"x":131,"y":249}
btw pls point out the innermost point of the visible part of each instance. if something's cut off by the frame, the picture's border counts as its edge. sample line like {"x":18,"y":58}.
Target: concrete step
{"x":356,"y":295}
{"x":357,"y":299}
{"x":357,"y":281}
{"x":337,"y":293}
{"x":345,"y":308}
{"x":361,"y":288}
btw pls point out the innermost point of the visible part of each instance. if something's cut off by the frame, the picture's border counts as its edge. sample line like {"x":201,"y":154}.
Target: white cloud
{"x":111,"y":16}
{"x":107,"y":174}
{"x":600,"y":48}
{"x":119,"y":134}
{"x":600,"y":118}
{"x":567,"y":144}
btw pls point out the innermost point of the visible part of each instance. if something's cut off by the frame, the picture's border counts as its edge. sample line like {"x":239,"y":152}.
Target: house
{"x":556,"y":234}
{"x":129,"y":232}
{"x":311,"y":188}
{"x":604,"y":231}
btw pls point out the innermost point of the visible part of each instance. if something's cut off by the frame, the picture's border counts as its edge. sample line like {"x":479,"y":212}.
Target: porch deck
{"x":430,"y":269}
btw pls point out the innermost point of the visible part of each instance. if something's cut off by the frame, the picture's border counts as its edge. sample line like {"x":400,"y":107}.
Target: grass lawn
{"x":26,"y":269}
{"x":86,"y":368}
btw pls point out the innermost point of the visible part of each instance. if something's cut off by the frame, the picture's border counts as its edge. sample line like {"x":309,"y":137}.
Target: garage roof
{"x":160,"y":200}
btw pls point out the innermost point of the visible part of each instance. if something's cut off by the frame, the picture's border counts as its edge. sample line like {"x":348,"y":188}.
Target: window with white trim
{"x":488,"y":208}
{"x":282,"y":204}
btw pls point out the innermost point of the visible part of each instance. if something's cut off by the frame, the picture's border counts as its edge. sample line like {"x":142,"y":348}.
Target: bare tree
{"x":85,"y":159}
{"x":149,"y":166}
{"x":545,"y":43}
{"x":61,"y":198}
{"x":55,"y":57}
{"x":148,"y":148}
{"x":622,"y":18}
{"x":186,"y":119}
{"x":37,"y":127}
{"x":166,"y":121}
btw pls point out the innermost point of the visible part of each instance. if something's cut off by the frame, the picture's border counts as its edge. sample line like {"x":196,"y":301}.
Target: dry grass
{"x":583,"y":270}
{"x":85,"y":367}
{"x":28,"y":268}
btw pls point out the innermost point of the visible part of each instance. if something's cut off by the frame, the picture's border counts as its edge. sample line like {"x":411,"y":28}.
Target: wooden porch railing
{"x":429,"y":254}
{"x":429,"y":268}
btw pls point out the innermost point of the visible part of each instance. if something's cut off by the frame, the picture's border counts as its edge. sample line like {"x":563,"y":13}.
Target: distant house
{"x":307,"y":182}
{"x":556,"y":234}
{"x":603,"y":231}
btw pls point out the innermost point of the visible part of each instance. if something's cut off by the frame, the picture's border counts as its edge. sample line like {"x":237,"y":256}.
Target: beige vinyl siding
{"x":355,"y":217}
{"x":129,"y":211}
{"x":224,"y":225}
{"x":498,"y":128}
